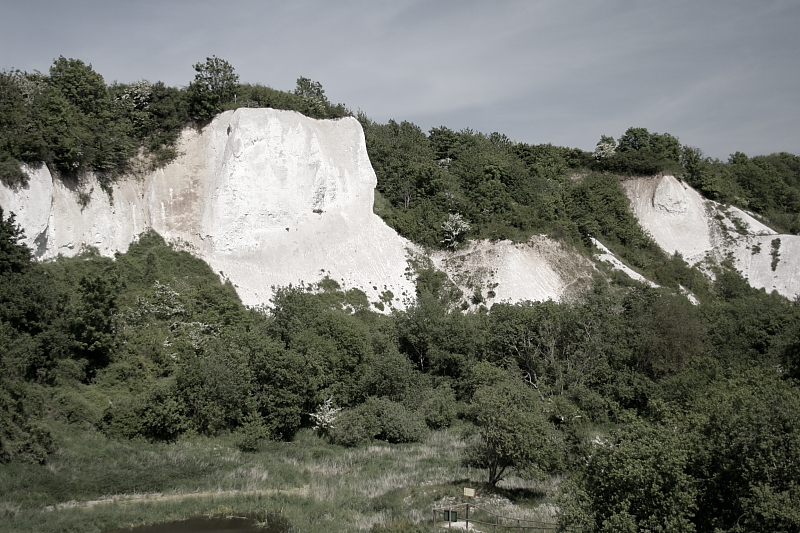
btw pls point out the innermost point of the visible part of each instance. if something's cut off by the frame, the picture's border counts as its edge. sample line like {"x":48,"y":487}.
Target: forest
{"x":625,"y":409}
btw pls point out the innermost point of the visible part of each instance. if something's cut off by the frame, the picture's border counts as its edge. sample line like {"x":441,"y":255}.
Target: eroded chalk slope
{"x":680,"y":220}
{"x":270,"y":198}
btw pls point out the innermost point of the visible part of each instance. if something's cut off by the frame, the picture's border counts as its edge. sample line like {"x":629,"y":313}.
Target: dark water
{"x":209,"y":525}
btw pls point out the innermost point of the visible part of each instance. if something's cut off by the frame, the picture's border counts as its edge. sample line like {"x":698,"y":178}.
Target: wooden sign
{"x":469,"y":492}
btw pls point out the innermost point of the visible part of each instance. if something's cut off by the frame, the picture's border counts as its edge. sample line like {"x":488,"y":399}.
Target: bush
{"x":354,"y":426}
{"x":163,"y":415}
{"x":397,"y":424}
{"x":121,"y":421}
{"x":11,"y":174}
{"x":251,"y":434}
{"x":32,"y":443}
{"x":378,"y":418}
{"x":438,"y":407}
{"x":74,"y":408}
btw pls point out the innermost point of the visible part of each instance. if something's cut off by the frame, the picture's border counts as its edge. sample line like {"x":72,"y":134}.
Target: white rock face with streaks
{"x":673,"y":213}
{"x":538,"y":270}
{"x":265,"y":197}
{"x":269,"y":198}
{"x":680,"y":220}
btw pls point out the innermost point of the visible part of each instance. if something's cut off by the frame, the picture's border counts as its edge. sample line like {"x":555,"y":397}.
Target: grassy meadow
{"x":93,"y":484}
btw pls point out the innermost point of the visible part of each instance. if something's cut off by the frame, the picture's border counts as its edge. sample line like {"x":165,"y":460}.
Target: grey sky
{"x":723,"y":75}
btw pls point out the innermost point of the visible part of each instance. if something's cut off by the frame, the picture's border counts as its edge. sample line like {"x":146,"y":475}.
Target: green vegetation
{"x":145,"y":375}
{"x":443,"y":188}
{"x":143,"y":380}
{"x":766,"y":185}
{"x":73,"y":122}
{"x":775,"y":247}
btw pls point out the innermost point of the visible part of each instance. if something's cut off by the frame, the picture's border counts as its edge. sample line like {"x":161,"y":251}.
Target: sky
{"x":721,"y":75}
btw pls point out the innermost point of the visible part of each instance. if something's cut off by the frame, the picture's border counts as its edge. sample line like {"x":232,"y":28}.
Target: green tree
{"x":640,"y":152}
{"x":27,"y":311}
{"x":20,"y":139}
{"x":512,"y":432}
{"x":638,"y":481}
{"x":94,"y":319}
{"x":15,"y":256}
{"x":748,"y":454}
{"x":214,"y":85}
{"x":215,"y":389}
{"x":80,"y":85}
{"x":313,"y":95}
{"x":698,"y":172}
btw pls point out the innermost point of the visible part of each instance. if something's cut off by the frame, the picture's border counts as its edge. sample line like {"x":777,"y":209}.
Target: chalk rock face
{"x":671,"y":197}
{"x":538,"y":270}
{"x":266,"y":197}
{"x":680,"y":220}
{"x":674,"y":214}
{"x":272,"y":197}
{"x":269,"y":198}
{"x":31,"y":205}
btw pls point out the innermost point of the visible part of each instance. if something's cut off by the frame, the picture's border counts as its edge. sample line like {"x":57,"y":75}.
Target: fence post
{"x":468,"y":517}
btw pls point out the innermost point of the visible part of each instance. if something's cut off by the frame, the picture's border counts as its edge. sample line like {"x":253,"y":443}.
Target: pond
{"x":210,"y":525}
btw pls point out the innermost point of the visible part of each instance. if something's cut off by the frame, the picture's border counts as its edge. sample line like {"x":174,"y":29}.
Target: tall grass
{"x":93,"y":484}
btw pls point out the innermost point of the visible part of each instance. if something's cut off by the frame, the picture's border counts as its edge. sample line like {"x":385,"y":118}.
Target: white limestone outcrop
{"x":538,"y":270}
{"x":266,"y":197}
{"x":269,"y":198}
{"x":680,"y":220}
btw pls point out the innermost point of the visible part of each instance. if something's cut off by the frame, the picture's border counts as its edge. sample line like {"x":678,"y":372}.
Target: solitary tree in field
{"x":513,"y":433}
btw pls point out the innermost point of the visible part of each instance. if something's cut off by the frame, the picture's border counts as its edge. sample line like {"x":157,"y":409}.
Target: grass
{"x":93,"y":484}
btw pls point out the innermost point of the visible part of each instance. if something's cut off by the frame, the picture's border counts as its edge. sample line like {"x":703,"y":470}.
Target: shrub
{"x":397,"y":424}
{"x":121,"y":421}
{"x":11,"y":174}
{"x":438,"y":407}
{"x":73,"y":407}
{"x":378,"y":418}
{"x":31,"y":443}
{"x":354,"y":426}
{"x":252,"y":433}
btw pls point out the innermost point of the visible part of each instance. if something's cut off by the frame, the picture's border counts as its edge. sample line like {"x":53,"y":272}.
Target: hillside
{"x":701,"y":230}
{"x":271,"y":198}
{"x":211,"y":307}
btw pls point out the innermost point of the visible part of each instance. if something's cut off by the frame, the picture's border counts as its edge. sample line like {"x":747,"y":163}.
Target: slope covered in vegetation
{"x":629,"y":408}
{"x":151,"y":347}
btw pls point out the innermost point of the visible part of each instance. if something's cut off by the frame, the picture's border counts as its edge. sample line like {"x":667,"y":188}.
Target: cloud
{"x":721,"y":74}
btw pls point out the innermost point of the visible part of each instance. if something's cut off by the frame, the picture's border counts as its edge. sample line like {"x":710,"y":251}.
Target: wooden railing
{"x":474,"y":515}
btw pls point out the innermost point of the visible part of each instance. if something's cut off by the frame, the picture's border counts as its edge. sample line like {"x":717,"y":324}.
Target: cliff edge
{"x":269,"y":198}
{"x":680,"y":220}
{"x":266,"y":197}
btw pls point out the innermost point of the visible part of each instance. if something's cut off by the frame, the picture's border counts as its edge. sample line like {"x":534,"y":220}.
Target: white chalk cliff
{"x":680,"y":220}
{"x":265,"y":197}
{"x":269,"y":198}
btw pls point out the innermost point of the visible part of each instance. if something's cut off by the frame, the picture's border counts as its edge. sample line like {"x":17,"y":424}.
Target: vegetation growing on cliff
{"x":71,"y":120}
{"x":626,"y":383}
{"x":146,"y":374}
